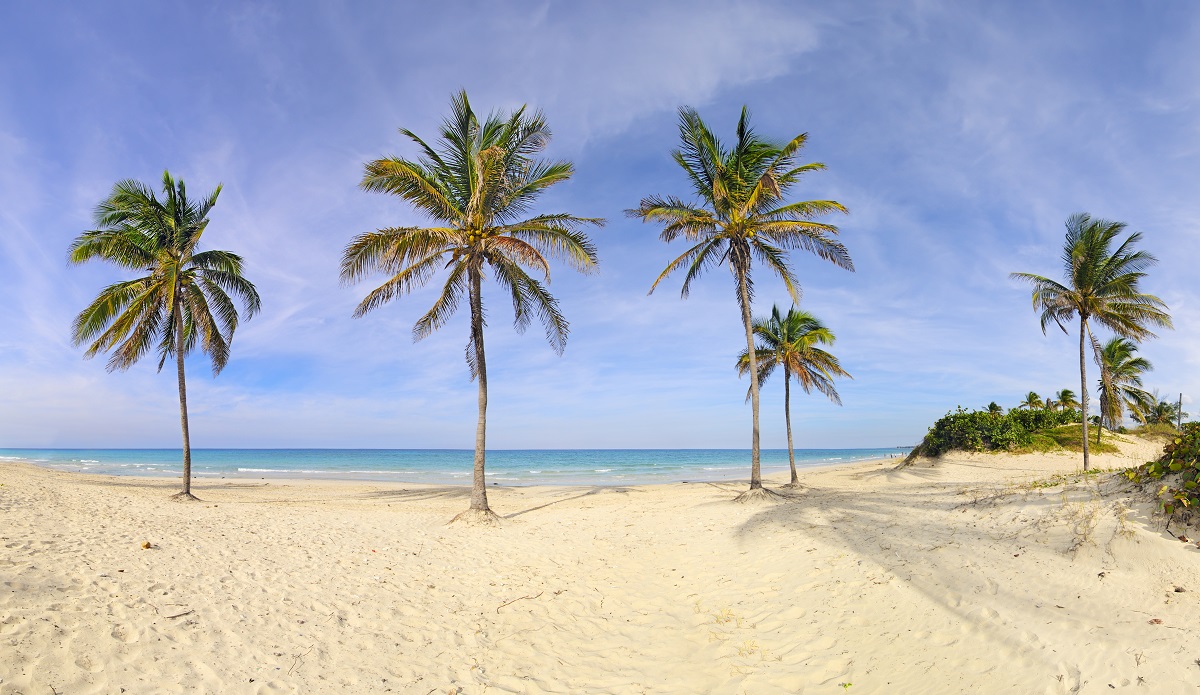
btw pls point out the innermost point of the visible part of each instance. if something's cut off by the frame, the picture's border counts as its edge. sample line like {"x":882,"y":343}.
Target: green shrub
{"x":1179,"y":467}
{"x":980,"y":430}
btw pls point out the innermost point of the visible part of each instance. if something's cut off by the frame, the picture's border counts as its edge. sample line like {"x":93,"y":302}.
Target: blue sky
{"x":960,"y":136}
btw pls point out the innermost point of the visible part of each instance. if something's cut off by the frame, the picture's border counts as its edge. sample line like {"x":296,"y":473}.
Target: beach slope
{"x":975,"y":573}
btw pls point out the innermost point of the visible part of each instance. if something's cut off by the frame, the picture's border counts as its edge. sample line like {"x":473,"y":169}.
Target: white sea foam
{"x":602,"y":470}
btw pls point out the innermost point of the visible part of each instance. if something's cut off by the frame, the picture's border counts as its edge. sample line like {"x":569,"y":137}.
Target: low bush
{"x":1179,"y":469}
{"x":980,"y":430}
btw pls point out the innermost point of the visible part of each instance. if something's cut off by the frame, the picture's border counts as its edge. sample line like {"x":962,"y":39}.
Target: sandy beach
{"x":978,"y":574}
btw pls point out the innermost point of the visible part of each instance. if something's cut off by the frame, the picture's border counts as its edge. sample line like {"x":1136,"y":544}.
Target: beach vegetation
{"x":982,"y":430}
{"x":1102,"y":287}
{"x":1165,"y":412}
{"x":181,"y":297}
{"x":740,"y":215}
{"x":1066,"y":400}
{"x":1120,"y":387}
{"x":478,"y":182}
{"x":792,"y":342}
{"x":1032,"y":401}
{"x":1176,"y":475}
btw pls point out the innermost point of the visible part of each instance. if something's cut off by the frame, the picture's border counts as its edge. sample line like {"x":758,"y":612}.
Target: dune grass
{"x":1068,"y":438}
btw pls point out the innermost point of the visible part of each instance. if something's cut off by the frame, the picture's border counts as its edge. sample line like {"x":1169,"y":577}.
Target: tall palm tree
{"x":1101,"y":285}
{"x":1066,"y":399}
{"x":1032,"y":400}
{"x":740,"y":215}
{"x":791,"y":342}
{"x":1120,"y":387}
{"x":183,"y":299}
{"x":479,"y":180}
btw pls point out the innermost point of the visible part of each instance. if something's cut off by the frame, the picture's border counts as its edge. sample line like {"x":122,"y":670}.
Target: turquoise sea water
{"x":505,"y":467}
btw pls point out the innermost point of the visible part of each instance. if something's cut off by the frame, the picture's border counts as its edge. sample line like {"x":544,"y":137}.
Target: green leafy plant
{"x":1179,"y":470}
{"x":985,"y":430}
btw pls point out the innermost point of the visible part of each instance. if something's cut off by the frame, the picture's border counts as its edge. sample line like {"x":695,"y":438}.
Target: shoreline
{"x":499,"y":478}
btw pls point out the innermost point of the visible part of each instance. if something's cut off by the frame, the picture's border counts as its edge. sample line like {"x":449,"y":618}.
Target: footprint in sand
{"x":125,"y":634}
{"x":89,"y":664}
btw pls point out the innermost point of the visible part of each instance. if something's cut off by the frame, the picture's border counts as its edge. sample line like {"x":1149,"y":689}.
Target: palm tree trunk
{"x":183,"y":415}
{"x":1083,"y":395}
{"x":747,"y":321}
{"x":479,"y":501}
{"x":787,"y":418}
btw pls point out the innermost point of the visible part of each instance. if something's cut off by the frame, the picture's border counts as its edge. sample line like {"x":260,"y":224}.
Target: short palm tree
{"x":740,"y":215}
{"x":792,"y":342}
{"x":183,"y":300}
{"x":995,"y":409}
{"x":1164,"y":412}
{"x":479,"y":181}
{"x":1121,"y":383}
{"x":1101,"y":286}
{"x":1032,"y":400}
{"x":1066,"y":399}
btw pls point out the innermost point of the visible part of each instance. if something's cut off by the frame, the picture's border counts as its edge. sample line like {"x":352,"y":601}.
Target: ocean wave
{"x":602,"y":470}
{"x":85,"y":460}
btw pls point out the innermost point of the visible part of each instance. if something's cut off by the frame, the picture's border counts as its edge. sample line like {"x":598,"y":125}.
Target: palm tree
{"x":479,"y":180}
{"x":1121,"y":383}
{"x":1032,"y":400}
{"x":995,"y":409}
{"x":791,"y":342}
{"x":1101,"y":286}
{"x":183,"y":299}
{"x":741,"y":216}
{"x":1164,"y":412}
{"x":1066,"y":399}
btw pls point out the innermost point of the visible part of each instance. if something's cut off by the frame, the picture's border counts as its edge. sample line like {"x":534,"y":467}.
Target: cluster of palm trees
{"x":478,"y":182}
{"x":1101,"y":287}
{"x":1063,"y":400}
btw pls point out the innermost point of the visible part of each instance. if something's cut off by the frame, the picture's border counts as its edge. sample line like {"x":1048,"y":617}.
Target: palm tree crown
{"x":1032,"y":400}
{"x":479,"y":181}
{"x":741,"y":215}
{"x":184,"y":300}
{"x":1066,"y":399}
{"x":1120,"y":386}
{"x":1101,"y":286}
{"x":791,"y":342}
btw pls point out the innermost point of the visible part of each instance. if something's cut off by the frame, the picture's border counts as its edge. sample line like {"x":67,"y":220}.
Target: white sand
{"x":956,"y":578}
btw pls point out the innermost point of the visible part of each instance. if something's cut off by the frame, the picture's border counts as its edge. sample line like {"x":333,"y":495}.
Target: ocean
{"x":504,"y":466}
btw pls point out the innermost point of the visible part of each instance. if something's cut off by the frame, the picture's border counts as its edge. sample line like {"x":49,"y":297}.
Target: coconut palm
{"x":1120,"y":387}
{"x":479,"y":180}
{"x":792,"y":342}
{"x":184,"y":298}
{"x":1164,"y":412}
{"x":994,"y":408}
{"x":1066,"y":399}
{"x":1032,"y":400}
{"x":741,"y":216}
{"x":1101,"y":286}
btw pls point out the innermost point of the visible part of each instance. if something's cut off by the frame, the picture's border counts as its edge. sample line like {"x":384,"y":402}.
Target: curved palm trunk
{"x":183,"y":416}
{"x":479,"y":501}
{"x":747,"y":321}
{"x":787,"y":418}
{"x":1083,"y":397}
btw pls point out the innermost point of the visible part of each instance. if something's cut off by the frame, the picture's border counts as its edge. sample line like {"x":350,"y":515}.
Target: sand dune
{"x":962,"y":577}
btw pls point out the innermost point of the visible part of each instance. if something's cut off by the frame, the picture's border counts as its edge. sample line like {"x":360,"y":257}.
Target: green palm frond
{"x":138,"y":230}
{"x":793,"y":341}
{"x":479,"y":180}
